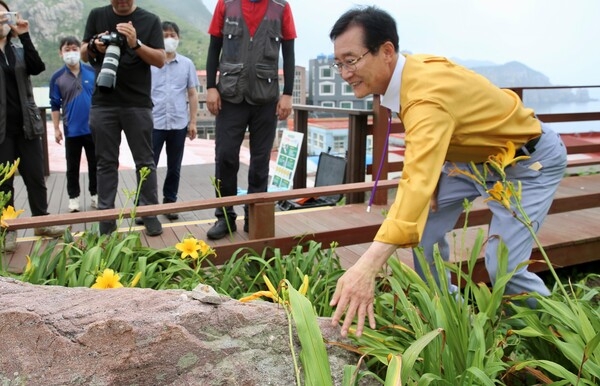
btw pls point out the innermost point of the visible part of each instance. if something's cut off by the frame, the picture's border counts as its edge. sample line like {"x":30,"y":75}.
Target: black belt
{"x":528,"y":148}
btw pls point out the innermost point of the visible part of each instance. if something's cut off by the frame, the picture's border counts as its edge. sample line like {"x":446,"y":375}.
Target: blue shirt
{"x":169,"y":93}
{"x":74,"y":95}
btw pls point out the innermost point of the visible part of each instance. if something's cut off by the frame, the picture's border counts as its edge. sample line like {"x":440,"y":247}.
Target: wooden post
{"x":357,"y":150}
{"x":261,"y":221}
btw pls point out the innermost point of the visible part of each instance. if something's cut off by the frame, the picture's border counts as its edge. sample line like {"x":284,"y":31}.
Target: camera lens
{"x":107,"y":78}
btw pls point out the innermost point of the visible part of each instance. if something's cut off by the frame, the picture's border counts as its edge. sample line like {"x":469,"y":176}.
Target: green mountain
{"x":50,"y":20}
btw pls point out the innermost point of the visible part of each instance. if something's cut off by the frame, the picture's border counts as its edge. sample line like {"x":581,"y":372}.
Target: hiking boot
{"x":94,"y":201}
{"x":172,"y":216}
{"x":246,"y":227}
{"x":219,"y":230}
{"x":139,"y":221}
{"x":74,"y":204}
{"x":10,"y":241}
{"x":107,"y":227}
{"x":53,"y":231}
{"x":153,"y":226}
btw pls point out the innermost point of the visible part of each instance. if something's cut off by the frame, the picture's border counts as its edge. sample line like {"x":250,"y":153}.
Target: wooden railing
{"x":359,"y":128}
{"x":261,"y":205}
{"x":576,"y":193}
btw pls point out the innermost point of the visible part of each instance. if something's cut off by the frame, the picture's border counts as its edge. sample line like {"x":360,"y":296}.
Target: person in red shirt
{"x":245,"y":40}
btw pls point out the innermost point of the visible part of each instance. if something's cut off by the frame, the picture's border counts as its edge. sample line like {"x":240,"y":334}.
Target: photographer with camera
{"x":121,"y":42}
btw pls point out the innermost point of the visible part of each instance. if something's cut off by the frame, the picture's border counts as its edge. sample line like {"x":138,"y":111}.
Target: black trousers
{"x":31,"y":168}
{"x":231,"y":125}
{"x":107,"y":123}
{"x":73,"y":150}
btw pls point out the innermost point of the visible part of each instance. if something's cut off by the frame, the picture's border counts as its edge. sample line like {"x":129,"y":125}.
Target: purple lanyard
{"x":383,"y":154}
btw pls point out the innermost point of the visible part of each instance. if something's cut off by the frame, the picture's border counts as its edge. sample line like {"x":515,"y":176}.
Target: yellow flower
{"x":9,"y":213}
{"x":304,"y":287}
{"x":135,"y":280}
{"x":500,"y":194}
{"x":272,"y":291}
{"x":501,"y":161}
{"x":270,"y":285}
{"x":8,"y":170}
{"x":455,"y":171}
{"x":258,"y":295}
{"x":108,"y":279}
{"x":188,"y":247}
{"x":206,"y":249}
{"x":29,"y":265}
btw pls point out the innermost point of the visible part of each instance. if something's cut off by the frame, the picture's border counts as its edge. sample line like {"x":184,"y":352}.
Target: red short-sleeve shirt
{"x":253,"y":12}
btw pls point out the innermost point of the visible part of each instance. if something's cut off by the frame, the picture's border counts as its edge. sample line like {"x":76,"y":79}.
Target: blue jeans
{"x":175,"y":143}
{"x":538,"y":188}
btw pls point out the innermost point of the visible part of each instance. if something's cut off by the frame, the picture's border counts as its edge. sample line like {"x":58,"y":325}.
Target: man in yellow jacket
{"x":452,"y":117}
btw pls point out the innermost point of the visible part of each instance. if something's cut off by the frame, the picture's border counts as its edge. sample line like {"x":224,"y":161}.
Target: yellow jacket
{"x":450,"y":113}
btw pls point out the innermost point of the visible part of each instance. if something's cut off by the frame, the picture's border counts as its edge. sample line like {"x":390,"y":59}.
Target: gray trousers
{"x":106,"y":123}
{"x":537,"y":194}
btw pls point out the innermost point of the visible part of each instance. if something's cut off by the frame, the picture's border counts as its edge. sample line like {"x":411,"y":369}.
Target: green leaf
{"x":313,"y":354}
{"x":393,"y":375}
{"x":412,"y":353}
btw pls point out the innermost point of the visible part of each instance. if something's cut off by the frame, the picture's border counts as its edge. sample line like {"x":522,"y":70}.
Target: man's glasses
{"x":349,"y":66}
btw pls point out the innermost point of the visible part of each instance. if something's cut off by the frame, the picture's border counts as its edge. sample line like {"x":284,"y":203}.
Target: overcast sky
{"x":559,"y":38}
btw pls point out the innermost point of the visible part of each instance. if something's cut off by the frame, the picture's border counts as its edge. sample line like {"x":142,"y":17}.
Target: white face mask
{"x":171,"y":45}
{"x":71,"y":58}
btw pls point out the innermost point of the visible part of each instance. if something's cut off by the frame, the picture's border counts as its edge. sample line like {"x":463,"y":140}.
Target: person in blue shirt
{"x":71,"y":89}
{"x":175,"y":99}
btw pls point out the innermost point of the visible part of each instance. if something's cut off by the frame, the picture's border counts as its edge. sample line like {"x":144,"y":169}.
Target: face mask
{"x":171,"y":45}
{"x":71,"y":58}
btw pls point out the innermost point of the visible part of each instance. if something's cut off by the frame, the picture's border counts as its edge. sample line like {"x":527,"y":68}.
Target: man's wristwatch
{"x":138,"y":44}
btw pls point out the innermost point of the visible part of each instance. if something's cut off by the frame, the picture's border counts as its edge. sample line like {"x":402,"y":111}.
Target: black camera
{"x":107,"y":78}
{"x":113,"y":38}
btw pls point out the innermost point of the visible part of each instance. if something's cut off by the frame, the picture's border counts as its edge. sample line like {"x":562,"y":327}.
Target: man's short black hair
{"x":69,"y":41}
{"x":379,"y":26}
{"x":170,"y":25}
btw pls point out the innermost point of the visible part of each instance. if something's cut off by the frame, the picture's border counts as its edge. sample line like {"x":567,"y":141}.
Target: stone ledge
{"x":55,"y":335}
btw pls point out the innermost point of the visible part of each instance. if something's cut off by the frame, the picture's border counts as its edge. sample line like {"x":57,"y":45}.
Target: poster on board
{"x":287,"y":160}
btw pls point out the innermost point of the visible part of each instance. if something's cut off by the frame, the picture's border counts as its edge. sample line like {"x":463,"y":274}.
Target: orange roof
{"x":329,"y":123}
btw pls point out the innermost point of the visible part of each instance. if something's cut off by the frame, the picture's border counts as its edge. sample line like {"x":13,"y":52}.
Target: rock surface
{"x":53,"y":335}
